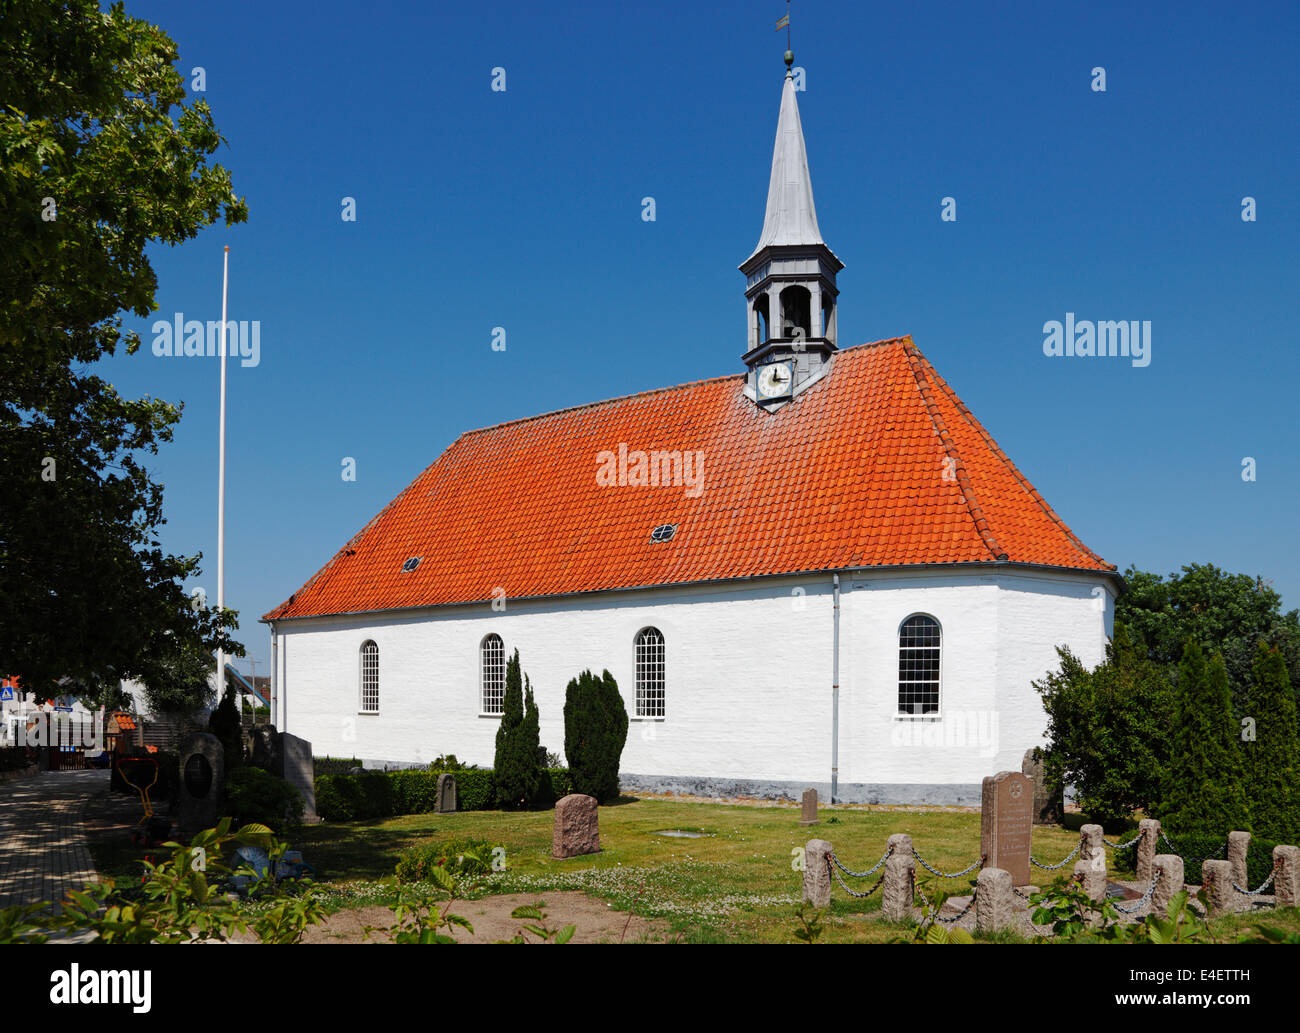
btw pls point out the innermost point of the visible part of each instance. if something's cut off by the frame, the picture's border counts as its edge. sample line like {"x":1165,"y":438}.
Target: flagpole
{"x":221,"y":478}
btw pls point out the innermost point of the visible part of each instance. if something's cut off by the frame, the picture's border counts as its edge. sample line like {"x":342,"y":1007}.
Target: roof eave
{"x":1112,"y":575}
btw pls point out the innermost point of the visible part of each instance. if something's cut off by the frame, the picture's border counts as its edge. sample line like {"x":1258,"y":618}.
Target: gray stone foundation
{"x":939,"y":794}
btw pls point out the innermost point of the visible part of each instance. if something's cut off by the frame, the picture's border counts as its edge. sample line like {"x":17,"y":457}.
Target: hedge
{"x":379,"y":794}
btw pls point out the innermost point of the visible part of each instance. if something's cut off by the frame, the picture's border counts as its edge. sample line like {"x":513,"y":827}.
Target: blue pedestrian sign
{"x":6,"y":695}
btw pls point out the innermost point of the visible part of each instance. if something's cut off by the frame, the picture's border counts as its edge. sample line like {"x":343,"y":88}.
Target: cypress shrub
{"x":595,"y":730}
{"x":1205,"y":793}
{"x":224,"y":723}
{"x":1272,"y":758}
{"x":518,"y":772}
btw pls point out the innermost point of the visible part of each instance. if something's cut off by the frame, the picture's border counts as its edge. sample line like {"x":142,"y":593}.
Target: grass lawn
{"x":736,"y":883}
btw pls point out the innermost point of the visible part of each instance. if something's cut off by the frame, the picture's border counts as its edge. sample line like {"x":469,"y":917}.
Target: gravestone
{"x":809,"y":814}
{"x":290,"y":758}
{"x":446,"y":794}
{"x":299,"y":770}
{"x":203,"y":780}
{"x":1006,"y":822}
{"x":577,"y":827}
{"x":1049,"y":801}
{"x":267,"y":754}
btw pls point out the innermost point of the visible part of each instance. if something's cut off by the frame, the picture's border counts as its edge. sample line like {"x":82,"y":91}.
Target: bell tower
{"x":790,"y":293}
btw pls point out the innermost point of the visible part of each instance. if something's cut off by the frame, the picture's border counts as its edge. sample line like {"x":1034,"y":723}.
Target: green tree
{"x":94,"y":168}
{"x":1232,"y":613}
{"x":516,"y":771}
{"x":595,"y":731}
{"x":1272,"y":757}
{"x":1109,"y":729}
{"x":1205,"y":793}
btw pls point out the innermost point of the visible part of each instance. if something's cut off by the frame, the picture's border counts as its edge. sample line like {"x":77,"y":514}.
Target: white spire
{"x":791,"y":217}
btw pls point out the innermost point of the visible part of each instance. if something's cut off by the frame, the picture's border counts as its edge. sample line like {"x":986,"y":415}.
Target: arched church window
{"x":918,"y":665}
{"x":369,"y":678}
{"x":649,"y":659}
{"x":492,"y":674}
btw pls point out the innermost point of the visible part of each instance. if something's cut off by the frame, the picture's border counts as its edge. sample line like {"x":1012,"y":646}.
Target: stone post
{"x":994,"y":901}
{"x":1170,"y":869}
{"x":1286,"y":883}
{"x":902,"y":844}
{"x":899,"y":889}
{"x":1148,"y":838}
{"x":1091,"y":866}
{"x":1238,"y":846}
{"x":1216,"y":878}
{"x":817,"y":873}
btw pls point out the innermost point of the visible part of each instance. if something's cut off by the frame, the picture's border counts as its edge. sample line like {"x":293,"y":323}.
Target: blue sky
{"x":522,"y":209}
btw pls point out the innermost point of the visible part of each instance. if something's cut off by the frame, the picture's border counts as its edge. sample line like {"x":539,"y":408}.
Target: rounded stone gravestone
{"x":203,"y":770}
{"x":198,"y":776}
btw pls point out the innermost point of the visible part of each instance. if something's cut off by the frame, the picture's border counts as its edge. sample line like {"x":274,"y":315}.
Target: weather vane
{"x":784,"y":23}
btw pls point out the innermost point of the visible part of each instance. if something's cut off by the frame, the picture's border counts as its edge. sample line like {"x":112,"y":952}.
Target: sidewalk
{"x":42,"y":850}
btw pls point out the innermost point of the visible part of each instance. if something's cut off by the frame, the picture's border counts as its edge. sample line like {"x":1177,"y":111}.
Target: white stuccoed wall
{"x":748,"y":676}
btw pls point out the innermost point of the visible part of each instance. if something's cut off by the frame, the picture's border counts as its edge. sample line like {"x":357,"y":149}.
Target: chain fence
{"x":978,"y":863}
{"x":1263,"y":887}
{"x":861,"y":875}
{"x":1054,"y":867}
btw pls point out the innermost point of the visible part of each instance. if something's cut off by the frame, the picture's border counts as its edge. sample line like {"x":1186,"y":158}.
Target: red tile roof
{"x":878,"y":464}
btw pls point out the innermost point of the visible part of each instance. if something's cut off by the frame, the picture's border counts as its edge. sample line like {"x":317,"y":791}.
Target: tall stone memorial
{"x":288,"y":757}
{"x":1006,"y":822}
{"x":299,"y":769}
{"x":1049,"y":800}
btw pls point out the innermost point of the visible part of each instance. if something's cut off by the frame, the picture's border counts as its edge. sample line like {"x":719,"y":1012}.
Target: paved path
{"x":42,"y":850}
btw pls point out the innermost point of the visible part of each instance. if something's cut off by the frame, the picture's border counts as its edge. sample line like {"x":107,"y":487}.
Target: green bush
{"x":595,"y":731}
{"x":256,"y":797}
{"x":518,"y":767}
{"x":355,"y":797}
{"x":1108,"y":729}
{"x":463,"y":856}
{"x":378,"y":794}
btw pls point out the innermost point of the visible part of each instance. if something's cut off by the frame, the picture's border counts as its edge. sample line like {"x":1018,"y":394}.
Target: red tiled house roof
{"x":878,"y":464}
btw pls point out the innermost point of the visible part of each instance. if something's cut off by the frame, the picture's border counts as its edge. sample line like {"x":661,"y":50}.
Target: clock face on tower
{"x":775,"y":380}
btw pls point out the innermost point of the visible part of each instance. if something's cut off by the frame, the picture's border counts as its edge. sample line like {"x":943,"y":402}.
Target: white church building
{"x":817,"y":571}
